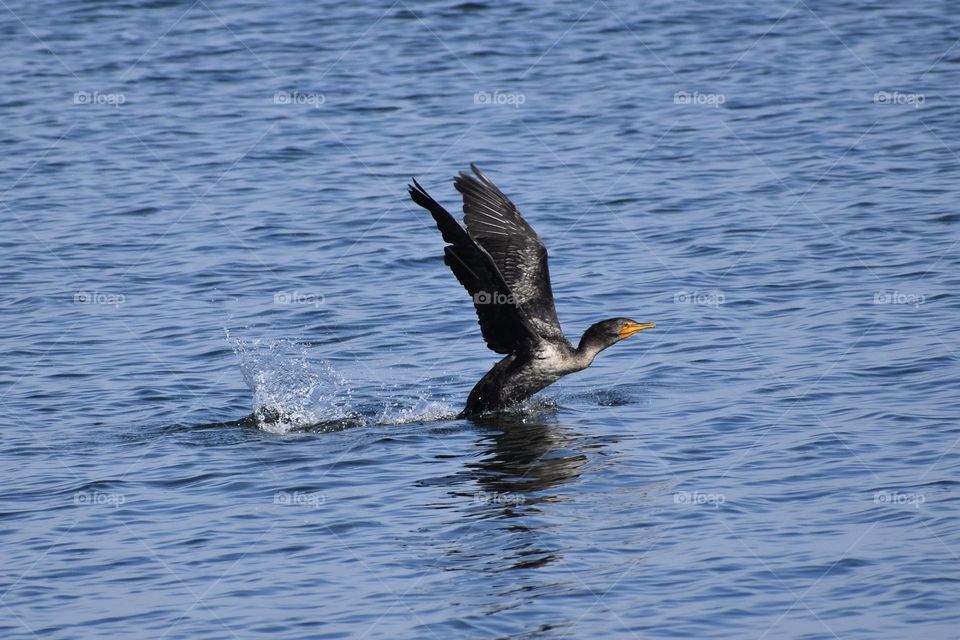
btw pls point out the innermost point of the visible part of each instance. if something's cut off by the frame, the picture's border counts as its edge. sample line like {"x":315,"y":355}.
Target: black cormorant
{"x":502,"y":263}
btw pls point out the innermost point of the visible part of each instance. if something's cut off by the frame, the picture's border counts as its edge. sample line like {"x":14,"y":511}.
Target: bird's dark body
{"x":517,"y":377}
{"x":502,"y":263}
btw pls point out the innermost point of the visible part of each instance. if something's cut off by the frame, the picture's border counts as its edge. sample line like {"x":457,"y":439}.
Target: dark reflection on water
{"x":525,"y":454}
{"x":523,"y":461}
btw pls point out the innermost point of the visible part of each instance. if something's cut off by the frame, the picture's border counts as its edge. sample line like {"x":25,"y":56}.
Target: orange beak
{"x":635,"y":327}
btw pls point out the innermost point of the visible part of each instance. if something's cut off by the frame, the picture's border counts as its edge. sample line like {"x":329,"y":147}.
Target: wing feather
{"x":496,"y":224}
{"x":503,"y":324}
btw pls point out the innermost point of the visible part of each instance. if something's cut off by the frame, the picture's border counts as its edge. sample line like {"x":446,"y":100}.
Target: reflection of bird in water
{"x":525,"y":455}
{"x":502,"y":263}
{"x":526,"y":460}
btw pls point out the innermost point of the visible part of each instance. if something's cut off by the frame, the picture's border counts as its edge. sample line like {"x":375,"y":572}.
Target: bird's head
{"x":608,"y":332}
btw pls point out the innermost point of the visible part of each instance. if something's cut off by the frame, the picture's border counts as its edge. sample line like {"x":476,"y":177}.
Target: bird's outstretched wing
{"x":496,"y":225}
{"x":502,"y":322}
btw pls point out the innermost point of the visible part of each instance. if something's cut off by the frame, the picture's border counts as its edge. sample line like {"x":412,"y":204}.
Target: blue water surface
{"x":204,"y":212}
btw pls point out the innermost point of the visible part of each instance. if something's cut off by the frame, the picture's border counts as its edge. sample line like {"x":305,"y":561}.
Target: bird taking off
{"x":502,"y":263}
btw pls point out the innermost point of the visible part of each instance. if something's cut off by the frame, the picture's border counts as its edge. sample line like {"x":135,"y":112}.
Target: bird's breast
{"x":554,"y":359}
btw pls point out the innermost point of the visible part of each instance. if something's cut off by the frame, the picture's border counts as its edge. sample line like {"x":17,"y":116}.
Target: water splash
{"x":424,"y":409}
{"x":293,"y":392}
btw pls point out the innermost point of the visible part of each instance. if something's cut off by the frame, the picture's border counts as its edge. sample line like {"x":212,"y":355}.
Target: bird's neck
{"x":587,"y":350}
